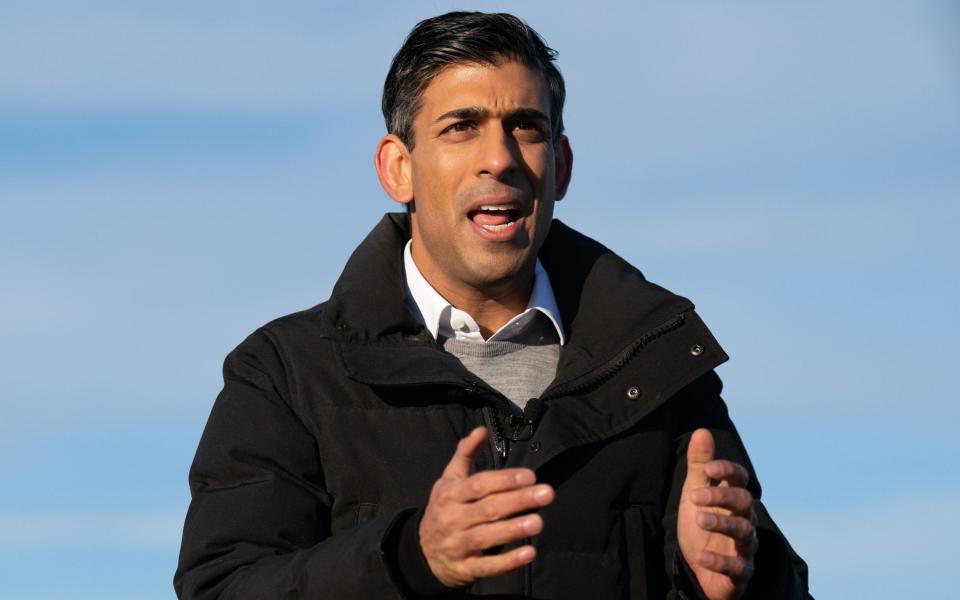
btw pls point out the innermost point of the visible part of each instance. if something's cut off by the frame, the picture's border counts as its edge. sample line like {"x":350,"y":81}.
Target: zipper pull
{"x":503,"y":447}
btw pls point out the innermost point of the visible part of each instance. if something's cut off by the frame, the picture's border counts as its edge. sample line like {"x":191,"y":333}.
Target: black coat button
{"x":534,"y":447}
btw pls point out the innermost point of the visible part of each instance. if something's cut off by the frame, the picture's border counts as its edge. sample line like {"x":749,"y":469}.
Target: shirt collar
{"x":443,"y":319}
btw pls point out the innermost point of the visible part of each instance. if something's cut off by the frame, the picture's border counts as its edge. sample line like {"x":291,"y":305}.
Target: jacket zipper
{"x":500,"y":441}
{"x":618,"y":363}
{"x":500,"y":444}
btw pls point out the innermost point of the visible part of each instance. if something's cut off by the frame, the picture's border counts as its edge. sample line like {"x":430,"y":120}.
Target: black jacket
{"x":334,"y":423}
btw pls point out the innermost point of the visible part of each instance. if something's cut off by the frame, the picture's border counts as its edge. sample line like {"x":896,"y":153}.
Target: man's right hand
{"x":469,"y":513}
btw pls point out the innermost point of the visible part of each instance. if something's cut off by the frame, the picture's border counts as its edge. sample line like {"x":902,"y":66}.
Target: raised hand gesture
{"x":716,"y":524}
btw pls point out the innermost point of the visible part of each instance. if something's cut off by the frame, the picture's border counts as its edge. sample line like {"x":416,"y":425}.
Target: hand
{"x":716,"y":525}
{"x":467,"y":514}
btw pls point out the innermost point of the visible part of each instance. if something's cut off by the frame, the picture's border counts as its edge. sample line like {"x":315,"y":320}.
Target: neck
{"x":490,"y":305}
{"x":492,"y":313}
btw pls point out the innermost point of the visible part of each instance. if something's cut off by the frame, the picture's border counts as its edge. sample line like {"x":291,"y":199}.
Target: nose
{"x":497,"y":153}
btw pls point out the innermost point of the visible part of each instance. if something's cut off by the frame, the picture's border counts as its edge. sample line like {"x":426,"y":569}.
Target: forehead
{"x":497,"y":88}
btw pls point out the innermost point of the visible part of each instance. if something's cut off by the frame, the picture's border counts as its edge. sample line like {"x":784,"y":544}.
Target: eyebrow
{"x":479,"y":112}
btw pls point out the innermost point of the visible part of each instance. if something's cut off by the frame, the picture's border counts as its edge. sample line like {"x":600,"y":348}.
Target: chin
{"x":497,"y":275}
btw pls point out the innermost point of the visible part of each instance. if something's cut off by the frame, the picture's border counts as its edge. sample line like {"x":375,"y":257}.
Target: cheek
{"x":434,"y":180}
{"x":539,"y":166}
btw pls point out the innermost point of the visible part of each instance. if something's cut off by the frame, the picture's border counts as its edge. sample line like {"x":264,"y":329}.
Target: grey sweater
{"x":519,"y":368}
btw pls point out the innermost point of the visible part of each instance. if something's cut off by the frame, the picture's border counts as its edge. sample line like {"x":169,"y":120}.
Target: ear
{"x":392,"y":161}
{"x":563,"y":166}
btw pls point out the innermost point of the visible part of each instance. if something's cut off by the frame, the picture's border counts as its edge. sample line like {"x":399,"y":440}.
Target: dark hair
{"x":463,"y":37}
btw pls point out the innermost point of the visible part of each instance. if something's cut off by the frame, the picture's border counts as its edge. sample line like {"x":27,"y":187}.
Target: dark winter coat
{"x":334,"y":423}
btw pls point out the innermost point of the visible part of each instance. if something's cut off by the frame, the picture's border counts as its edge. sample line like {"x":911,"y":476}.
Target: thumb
{"x":699,"y":453}
{"x":461,"y":465}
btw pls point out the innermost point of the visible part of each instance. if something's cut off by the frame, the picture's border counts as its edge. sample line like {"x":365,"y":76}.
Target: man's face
{"x":484,"y":173}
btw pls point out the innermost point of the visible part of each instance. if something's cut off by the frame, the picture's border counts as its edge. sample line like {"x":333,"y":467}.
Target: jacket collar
{"x":382,"y":343}
{"x":367,"y":304}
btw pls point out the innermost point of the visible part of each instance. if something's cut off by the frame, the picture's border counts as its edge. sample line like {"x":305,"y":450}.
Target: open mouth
{"x":495,"y":218}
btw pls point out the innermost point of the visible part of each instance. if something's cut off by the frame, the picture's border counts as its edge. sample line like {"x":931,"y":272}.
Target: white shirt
{"x":443,"y":319}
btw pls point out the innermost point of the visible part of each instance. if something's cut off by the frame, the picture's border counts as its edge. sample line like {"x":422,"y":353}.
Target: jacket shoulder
{"x":280,"y":343}
{"x":308,"y":322}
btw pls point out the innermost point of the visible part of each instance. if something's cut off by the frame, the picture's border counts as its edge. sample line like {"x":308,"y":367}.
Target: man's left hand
{"x":716,"y":524}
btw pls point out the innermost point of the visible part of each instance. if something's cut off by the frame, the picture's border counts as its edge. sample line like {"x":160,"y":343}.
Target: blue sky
{"x":174,"y":175}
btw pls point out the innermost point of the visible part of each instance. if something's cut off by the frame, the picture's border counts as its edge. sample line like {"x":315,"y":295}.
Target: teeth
{"x":498,"y":227}
{"x":495,"y":207}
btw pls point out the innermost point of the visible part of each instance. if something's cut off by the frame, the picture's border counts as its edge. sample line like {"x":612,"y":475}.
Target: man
{"x":489,"y":404}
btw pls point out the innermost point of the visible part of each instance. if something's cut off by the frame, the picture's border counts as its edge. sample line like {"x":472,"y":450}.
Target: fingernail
{"x":706,"y":559}
{"x":525,"y":478}
{"x":708,"y":520}
{"x":700,"y":496}
{"x":528,"y":525}
{"x":541,"y":493}
{"x":525,"y":553}
{"x":713,"y":470}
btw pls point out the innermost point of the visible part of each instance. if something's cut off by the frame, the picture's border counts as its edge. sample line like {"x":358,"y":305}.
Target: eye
{"x":529,"y":130}
{"x":459,"y":127}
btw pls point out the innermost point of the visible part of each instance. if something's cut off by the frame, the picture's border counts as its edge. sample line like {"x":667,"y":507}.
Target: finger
{"x":461,"y":465}
{"x":733,"y":473}
{"x":699,"y":453}
{"x":490,"y":535}
{"x":480,"y":485}
{"x":480,"y":567}
{"x":739,"y":529}
{"x":749,"y":547}
{"x":736,"y":568}
{"x":736,"y":500}
{"x":497,"y":506}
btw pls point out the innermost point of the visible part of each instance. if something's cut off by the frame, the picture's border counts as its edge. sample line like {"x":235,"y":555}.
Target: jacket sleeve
{"x":258,"y":525}
{"x":779,"y":572}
